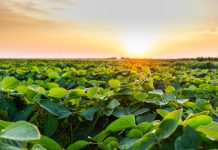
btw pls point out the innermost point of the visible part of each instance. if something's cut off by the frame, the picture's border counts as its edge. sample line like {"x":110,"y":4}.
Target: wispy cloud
{"x":11,"y":18}
{"x":27,"y":6}
{"x":62,"y":1}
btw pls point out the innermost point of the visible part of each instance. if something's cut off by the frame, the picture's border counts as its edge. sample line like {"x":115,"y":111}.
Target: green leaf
{"x":52,"y":85}
{"x":141,"y":111}
{"x":135,"y":133}
{"x":55,"y":108}
{"x":101,"y":136}
{"x":145,"y":126}
{"x":111,"y":106}
{"x":182,"y":101}
{"x":203,"y":104}
{"x":168,"y":97}
{"x":50,"y":125}
{"x":22,"y":89}
{"x":162,"y":112}
{"x":123,"y":122}
{"x":48,"y":143}
{"x":164,"y":129}
{"x":88,"y":113}
{"x":23,"y":115}
{"x":198,"y":120}
{"x":210,"y":130}
{"x":21,"y":131}
{"x":92,"y":92}
{"x":170,"y":89}
{"x":144,"y":143}
{"x":78,"y":145}
{"x":156,"y":92}
{"x":37,"y":147}
{"x":4,"y":124}
{"x":57,"y":92}
{"x":53,"y":75}
{"x":110,"y":143}
{"x":114,"y":83}
{"x":168,"y":125}
{"x":140,"y":96}
{"x":190,"y":139}
{"x":76,"y":93}
{"x":10,"y":83}
{"x":6,"y":144}
{"x":36,"y":88}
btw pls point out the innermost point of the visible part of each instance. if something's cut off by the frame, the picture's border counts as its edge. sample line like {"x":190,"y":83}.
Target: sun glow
{"x":137,"y":44}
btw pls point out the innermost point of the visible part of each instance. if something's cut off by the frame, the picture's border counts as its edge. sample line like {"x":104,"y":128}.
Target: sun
{"x":136,"y":45}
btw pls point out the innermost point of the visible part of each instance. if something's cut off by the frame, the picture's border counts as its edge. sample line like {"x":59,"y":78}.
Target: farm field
{"x":109,"y":104}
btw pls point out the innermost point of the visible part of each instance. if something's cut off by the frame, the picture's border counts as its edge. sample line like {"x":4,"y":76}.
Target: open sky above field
{"x":108,"y":28}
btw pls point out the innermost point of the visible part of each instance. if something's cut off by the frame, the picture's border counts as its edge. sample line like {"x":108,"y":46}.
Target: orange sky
{"x":108,"y":28}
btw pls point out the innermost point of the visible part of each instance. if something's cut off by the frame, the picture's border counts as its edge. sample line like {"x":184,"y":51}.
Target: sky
{"x":108,"y":28}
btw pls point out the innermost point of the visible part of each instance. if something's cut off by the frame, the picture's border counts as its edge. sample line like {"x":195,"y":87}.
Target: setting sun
{"x":137,"y":44}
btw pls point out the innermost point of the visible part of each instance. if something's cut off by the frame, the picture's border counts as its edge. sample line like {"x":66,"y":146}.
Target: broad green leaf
{"x":140,"y":96}
{"x":111,"y":146}
{"x":144,"y":143}
{"x":111,"y":106}
{"x":22,"y":89}
{"x":127,"y":142}
{"x":135,"y":133}
{"x":114,"y":83}
{"x":52,"y":85}
{"x":6,"y":144}
{"x":78,"y":145}
{"x":170,"y":89}
{"x":23,"y":115}
{"x":210,"y":130}
{"x":56,"y":109}
{"x":168,"y":97}
{"x":53,"y":75}
{"x":10,"y":83}
{"x":4,"y":124}
{"x":109,"y":139}
{"x":21,"y":131}
{"x":182,"y":101}
{"x":92,"y":92}
{"x":141,"y":111}
{"x":57,"y":92}
{"x":50,"y":125}
{"x":203,"y":104}
{"x":190,"y":139}
{"x":145,"y":126}
{"x":36,"y":88}
{"x":198,"y":120}
{"x":164,"y":129}
{"x":88,"y":113}
{"x":76,"y":93}
{"x":156,"y":92}
{"x":101,"y":136}
{"x":121,"y":123}
{"x":162,"y":112}
{"x":37,"y":147}
{"x":48,"y":143}
{"x":168,"y":125}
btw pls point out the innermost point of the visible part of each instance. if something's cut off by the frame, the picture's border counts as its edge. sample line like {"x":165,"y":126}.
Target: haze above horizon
{"x":108,"y":28}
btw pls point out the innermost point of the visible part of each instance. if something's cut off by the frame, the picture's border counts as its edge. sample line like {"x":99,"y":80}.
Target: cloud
{"x":10,"y":18}
{"x":27,"y":6}
{"x":61,"y":1}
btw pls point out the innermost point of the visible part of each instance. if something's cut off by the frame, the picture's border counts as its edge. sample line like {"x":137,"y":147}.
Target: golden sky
{"x":108,"y":28}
